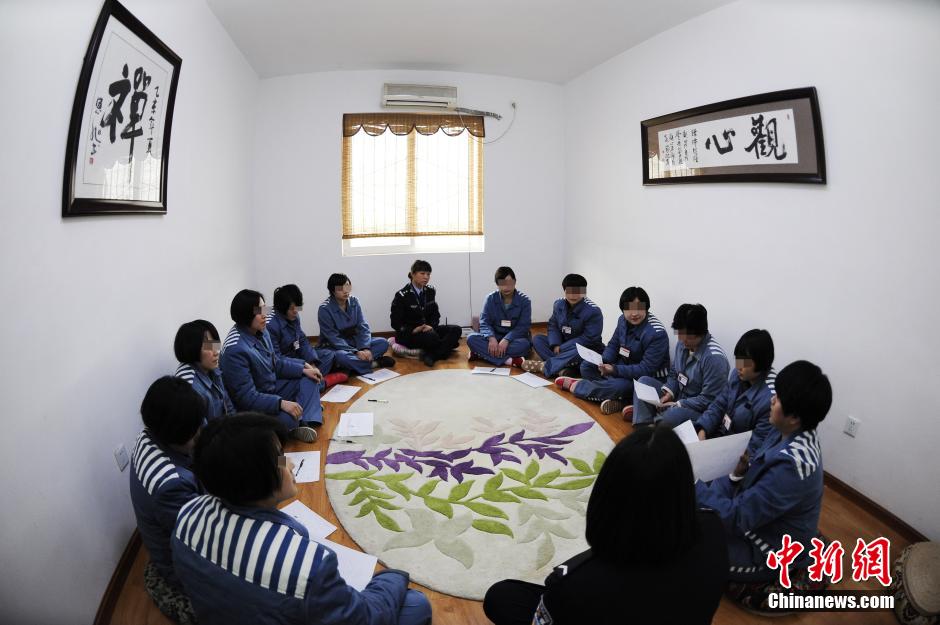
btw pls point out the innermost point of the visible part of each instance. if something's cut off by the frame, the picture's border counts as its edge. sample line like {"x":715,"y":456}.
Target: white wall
{"x":297,"y":164}
{"x":93,"y":303}
{"x":841,"y":274}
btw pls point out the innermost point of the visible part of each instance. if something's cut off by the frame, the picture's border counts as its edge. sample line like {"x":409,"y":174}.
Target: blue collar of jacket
{"x":351,"y":303}
{"x":263,"y":341}
{"x":499,"y":298}
{"x":699,"y":352}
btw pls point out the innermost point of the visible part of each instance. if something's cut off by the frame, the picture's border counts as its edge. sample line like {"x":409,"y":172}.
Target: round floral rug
{"x":467,"y":479}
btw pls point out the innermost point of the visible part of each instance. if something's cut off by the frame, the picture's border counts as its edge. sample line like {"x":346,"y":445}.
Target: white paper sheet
{"x":378,"y":375}
{"x":355,"y":424}
{"x":490,"y":371}
{"x":530,"y":379}
{"x":686,"y":432}
{"x":589,"y":355}
{"x":715,"y":457}
{"x":341,"y":393}
{"x":355,"y":567}
{"x":306,"y":465}
{"x":315,"y":524}
{"x":646,"y":393}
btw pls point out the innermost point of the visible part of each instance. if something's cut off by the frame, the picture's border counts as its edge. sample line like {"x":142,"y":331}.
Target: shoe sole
{"x":304,"y":434}
{"x":610,"y":406}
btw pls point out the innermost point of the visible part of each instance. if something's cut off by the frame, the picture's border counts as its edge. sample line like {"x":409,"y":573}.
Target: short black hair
{"x":631,"y":293}
{"x":757,"y":346}
{"x":574,"y":279}
{"x":642,"y":508}
{"x":691,"y":319}
{"x":419,"y":265}
{"x":244,"y":306}
{"x":286,"y":295}
{"x":803,"y":391}
{"x":236,"y":457}
{"x":504,"y":272}
{"x":172,"y":410}
{"x":335,"y":280}
{"x":189,"y":339}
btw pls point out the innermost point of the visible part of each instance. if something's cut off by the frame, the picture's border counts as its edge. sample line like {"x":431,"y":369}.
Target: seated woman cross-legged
{"x":504,"y":337}
{"x":162,"y":481}
{"x":575,"y":320}
{"x":346,"y":333}
{"x":289,"y":338}
{"x":260,"y":379}
{"x":745,"y":403}
{"x":243,"y":561}
{"x":654,"y":557}
{"x":639,"y":347}
{"x":416,"y":318}
{"x":779,"y":489}
{"x":698,"y":374}
{"x":197,"y":347}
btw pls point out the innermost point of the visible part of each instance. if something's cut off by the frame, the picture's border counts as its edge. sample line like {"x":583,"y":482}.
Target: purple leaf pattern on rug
{"x":442,"y":464}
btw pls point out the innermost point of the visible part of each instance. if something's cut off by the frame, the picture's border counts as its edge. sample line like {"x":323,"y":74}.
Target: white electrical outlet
{"x":851,"y":426}
{"x":120,"y":456}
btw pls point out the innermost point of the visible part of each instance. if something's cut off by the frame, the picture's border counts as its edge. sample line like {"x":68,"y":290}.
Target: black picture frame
{"x":116,"y":94}
{"x":682,"y":155}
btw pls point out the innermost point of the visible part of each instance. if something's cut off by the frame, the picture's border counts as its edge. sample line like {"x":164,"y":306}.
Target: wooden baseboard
{"x":872,"y":507}
{"x":118,"y":579}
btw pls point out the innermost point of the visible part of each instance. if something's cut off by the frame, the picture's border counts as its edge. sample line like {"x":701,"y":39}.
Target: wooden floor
{"x":841,"y":519}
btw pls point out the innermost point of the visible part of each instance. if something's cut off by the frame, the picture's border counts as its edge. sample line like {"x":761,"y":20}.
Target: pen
{"x":365,"y":377}
{"x":343,"y":440}
{"x":379,"y":401}
{"x":297,"y":472}
{"x":493,"y":369}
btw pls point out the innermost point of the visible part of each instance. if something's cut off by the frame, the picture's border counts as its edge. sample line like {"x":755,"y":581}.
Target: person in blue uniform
{"x":745,"y":403}
{"x":416,"y":318}
{"x":162,"y":481}
{"x":639,"y":347}
{"x":779,"y":489}
{"x":505,"y":321}
{"x":699,"y":372}
{"x":260,"y":379}
{"x":575,"y":320}
{"x":243,"y":561}
{"x":654,"y":557}
{"x":197,"y":347}
{"x":345,"y":331}
{"x":289,"y":338}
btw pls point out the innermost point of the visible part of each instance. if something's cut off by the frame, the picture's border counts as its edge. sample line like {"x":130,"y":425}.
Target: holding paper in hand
{"x":589,"y":355}
{"x":646,"y":393}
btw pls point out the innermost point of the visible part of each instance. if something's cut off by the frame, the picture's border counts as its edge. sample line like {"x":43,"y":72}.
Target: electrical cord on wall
{"x":511,"y":122}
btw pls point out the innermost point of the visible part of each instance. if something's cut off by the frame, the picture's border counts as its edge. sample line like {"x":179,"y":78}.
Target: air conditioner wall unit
{"x":419,"y":96}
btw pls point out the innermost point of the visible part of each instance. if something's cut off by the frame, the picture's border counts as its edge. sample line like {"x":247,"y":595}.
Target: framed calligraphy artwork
{"x":772,"y":137}
{"x":119,"y":135}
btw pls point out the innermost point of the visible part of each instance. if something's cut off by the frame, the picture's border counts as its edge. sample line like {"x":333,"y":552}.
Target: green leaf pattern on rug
{"x":530,"y":485}
{"x":492,"y":527}
{"x":445,"y":535}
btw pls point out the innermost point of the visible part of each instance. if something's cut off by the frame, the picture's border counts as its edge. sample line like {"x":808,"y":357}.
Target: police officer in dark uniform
{"x":416,"y":318}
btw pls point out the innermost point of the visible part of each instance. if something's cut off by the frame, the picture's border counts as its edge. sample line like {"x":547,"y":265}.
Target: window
{"x":412,"y":183}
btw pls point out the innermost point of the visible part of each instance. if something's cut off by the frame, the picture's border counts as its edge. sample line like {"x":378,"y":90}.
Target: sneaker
{"x":304,"y":434}
{"x":428,"y":360}
{"x":332,"y":379}
{"x":533,"y":366}
{"x":570,"y":372}
{"x":627,"y":413}
{"x":564,"y":383}
{"x":471,"y":356}
{"x":385,"y":361}
{"x":610,"y":406}
{"x":516,"y":362}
